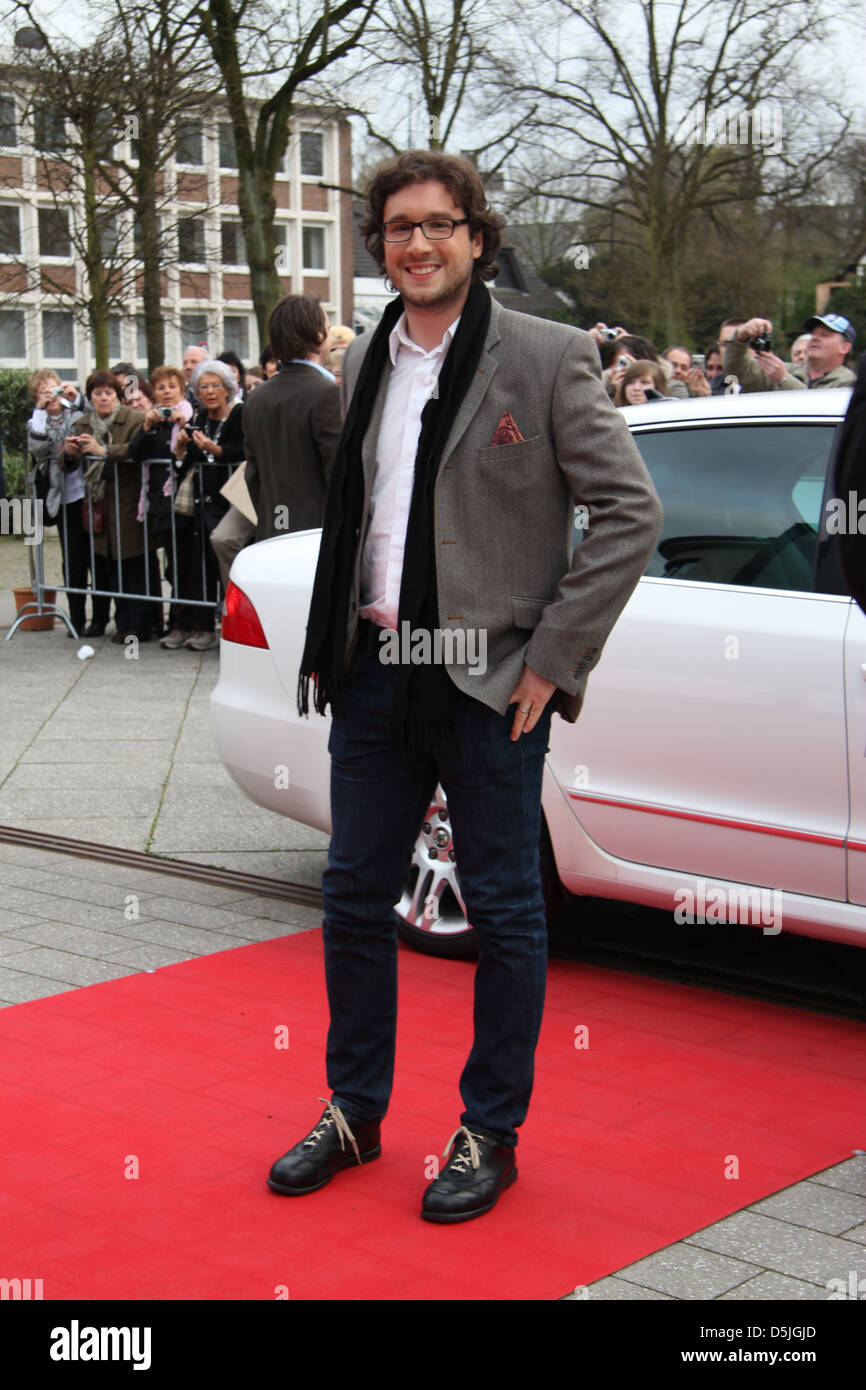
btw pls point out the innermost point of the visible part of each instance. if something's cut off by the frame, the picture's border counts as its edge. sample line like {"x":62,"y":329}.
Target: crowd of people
{"x":740,"y":359}
{"x":132,"y":470}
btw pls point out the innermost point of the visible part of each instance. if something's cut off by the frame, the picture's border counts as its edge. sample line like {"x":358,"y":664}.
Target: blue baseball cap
{"x":835,"y":322}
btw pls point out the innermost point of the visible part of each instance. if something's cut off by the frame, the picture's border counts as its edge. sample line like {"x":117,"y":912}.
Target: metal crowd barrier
{"x":40,"y":608}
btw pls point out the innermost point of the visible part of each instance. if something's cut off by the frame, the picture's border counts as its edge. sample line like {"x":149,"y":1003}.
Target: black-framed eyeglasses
{"x":433,"y":228}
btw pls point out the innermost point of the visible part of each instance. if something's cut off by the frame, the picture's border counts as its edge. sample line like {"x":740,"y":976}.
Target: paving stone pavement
{"x":119,"y":751}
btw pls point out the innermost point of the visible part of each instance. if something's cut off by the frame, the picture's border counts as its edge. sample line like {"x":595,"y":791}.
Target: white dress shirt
{"x":413,"y":377}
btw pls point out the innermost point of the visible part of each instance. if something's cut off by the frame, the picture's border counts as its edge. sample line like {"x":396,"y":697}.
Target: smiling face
{"x":430,"y":275}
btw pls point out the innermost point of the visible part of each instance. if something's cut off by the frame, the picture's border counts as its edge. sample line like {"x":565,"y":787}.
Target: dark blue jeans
{"x":378,"y":801}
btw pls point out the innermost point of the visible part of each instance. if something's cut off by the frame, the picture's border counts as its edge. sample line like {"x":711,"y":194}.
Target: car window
{"x":742,"y":502}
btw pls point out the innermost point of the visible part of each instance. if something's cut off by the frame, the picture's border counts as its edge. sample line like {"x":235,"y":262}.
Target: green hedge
{"x":13,"y":472}
{"x":16,"y":407}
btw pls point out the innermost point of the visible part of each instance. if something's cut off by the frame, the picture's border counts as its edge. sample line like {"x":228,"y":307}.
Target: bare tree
{"x":133,"y":83}
{"x":670,"y":111}
{"x":449,"y":70}
{"x":267,"y":56}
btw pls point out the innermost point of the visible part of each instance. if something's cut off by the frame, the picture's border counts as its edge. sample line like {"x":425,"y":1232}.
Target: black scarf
{"x":425,"y":697}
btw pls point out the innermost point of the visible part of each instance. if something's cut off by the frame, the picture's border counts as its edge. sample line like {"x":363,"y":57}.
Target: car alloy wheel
{"x":431,"y":914}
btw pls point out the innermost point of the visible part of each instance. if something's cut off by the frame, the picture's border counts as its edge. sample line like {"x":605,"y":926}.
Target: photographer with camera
{"x":748,"y":355}
{"x":828,"y":352}
{"x":61,"y":489}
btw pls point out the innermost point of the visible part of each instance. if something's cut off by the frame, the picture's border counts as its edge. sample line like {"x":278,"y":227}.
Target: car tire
{"x":431,"y":914}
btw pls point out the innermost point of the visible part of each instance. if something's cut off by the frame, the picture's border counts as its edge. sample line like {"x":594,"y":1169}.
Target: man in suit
{"x":291,"y":430}
{"x":471,"y":434}
{"x":292,"y":422}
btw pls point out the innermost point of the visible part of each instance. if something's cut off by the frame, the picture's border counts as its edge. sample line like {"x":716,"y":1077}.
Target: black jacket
{"x":211,"y":476}
{"x":851,"y":478}
{"x":292,"y":427}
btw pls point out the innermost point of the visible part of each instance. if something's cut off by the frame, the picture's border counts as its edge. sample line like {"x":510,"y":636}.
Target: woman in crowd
{"x":209,"y":448}
{"x":100,"y":442}
{"x":138,"y":393}
{"x":153,"y":445}
{"x":232,"y":360}
{"x":640,"y":377}
{"x":47,"y":430}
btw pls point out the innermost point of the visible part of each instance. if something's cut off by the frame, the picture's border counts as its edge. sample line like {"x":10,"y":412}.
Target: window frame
{"x":739,"y":422}
{"x":13,"y":357}
{"x":51,"y":355}
{"x":202,"y":263}
{"x":66,"y":259}
{"x":8,"y":257}
{"x":184,"y":164}
{"x":16,"y":122}
{"x":312,"y":178}
{"x":315,"y":270}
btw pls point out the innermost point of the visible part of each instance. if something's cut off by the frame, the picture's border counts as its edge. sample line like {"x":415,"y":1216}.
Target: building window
{"x":233,"y":249}
{"x":312,"y":154}
{"x":314,"y":248}
{"x":10,"y":231}
{"x":140,"y":339}
{"x":54,"y":233}
{"x":193,"y":330}
{"x":190,"y":240}
{"x":236,"y":335}
{"x":114,"y":348}
{"x":13,"y":342}
{"x":228,"y":153}
{"x":8,"y":125}
{"x":281,"y":245}
{"x":49,"y":129}
{"x":109,"y":239}
{"x":190,"y":143}
{"x":58,"y":335}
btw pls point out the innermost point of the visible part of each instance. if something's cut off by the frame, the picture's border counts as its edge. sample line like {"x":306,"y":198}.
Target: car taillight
{"x":240,"y":620}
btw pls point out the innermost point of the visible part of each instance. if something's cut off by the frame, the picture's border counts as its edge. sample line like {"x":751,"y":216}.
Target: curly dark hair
{"x":463,"y":182}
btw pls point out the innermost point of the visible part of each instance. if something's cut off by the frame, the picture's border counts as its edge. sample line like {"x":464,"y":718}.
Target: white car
{"x":717,"y":768}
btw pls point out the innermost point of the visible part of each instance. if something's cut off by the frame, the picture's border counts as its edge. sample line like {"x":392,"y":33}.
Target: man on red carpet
{"x":471,"y":432}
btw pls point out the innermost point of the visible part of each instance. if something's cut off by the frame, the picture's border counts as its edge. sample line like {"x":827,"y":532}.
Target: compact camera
{"x":609,"y":334}
{"x":763,"y":344}
{"x":165,"y":412}
{"x":57,"y":394}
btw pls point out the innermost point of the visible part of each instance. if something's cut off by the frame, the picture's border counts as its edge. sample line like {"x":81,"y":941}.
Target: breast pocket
{"x":527,"y":451}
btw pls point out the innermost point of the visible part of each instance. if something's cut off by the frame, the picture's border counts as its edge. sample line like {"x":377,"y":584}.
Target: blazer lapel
{"x":478,"y":387}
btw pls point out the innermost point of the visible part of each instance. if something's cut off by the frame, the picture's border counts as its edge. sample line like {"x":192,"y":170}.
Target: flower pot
{"x":35,"y":624}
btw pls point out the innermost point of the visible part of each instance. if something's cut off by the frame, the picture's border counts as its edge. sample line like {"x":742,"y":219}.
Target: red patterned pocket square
{"x":506,"y":431}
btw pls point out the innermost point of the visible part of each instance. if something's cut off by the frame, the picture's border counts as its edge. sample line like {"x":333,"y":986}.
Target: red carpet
{"x":176,"y":1074}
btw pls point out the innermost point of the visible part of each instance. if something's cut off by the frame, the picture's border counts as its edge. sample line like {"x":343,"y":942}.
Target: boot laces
{"x":468,"y":1152}
{"x":333,"y":1117}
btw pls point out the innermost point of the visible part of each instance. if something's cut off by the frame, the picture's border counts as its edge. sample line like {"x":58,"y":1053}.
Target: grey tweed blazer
{"x":504,"y":513}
